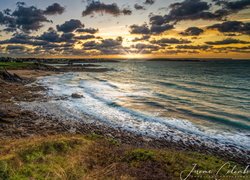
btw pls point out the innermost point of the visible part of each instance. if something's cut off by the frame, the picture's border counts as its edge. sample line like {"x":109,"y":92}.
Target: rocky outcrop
{"x":6,"y":76}
{"x":76,"y":95}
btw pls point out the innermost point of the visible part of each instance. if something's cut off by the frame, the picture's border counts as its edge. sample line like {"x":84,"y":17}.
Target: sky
{"x":125,"y":28}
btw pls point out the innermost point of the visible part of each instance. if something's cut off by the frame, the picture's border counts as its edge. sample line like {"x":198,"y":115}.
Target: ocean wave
{"x":101,"y":102}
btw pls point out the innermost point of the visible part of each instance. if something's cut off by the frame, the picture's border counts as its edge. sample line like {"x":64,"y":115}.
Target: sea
{"x":205,"y":102}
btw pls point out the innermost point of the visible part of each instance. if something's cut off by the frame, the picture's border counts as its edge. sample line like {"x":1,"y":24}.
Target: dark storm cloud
{"x":68,"y":37}
{"x":27,"y":18}
{"x":54,"y":9}
{"x":145,"y":29}
{"x":6,"y":20}
{"x":232,"y":26}
{"x":157,"y":29}
{"x":234,"y":5}
{"x":100,"y":7}
{"x":106,"y":46}
{"x":139,"y":7}
{"x":18,"y":39}
{"x":85,"y":37}
{"x":137,"y":29}
{"x":23,"y":39}
{"x":189,"y":10}
{"x":50,"y":36}
{"x":197,"y":47}
{"x":150,"y":47}
{"x":70,"y":26}
{"x":108,"y":43}
{"x":178,"y":51}
{"x":87,"y":30}
{"x":16,"y":49}
{"x":186,"y":10}
{"x":157,"y":20}
{"x":227,"y":41}
{"x":227,"y":49}
{"x":90,"y":45}
{"x":149,"y":2}
{"x":126,"y":11}
{"x":192,"y":31}
{"x":166,"y":41}
{"x":143,"y":38}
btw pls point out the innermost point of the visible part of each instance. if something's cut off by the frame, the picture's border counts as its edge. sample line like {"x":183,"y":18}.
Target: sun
{"x":134,"y":56}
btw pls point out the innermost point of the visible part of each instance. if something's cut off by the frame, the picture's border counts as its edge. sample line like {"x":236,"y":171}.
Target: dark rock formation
{"x":76,"y":96}
{"x":6,"y":76}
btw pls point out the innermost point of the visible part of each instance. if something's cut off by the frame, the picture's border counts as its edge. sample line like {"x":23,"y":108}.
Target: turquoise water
{"x":192,"y":102}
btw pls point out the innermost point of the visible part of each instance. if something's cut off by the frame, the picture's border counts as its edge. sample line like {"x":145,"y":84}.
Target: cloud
{"x":196,"y":47}
{"x":17,"y":39}
{"x":106,"y":46}
{"x":139,"y":7}
{"x":232,"y":26}
{"x":126,"y":11}
{"x":23,"y":39}
{"x":178,"y":51}
{"x":166,"y":41}
{"x":85,"y":37}
{"x":189,"y":10}
{"x":186,"y":10}
{"x":192,"y":31}
{"x":145,"y":29}
{"x":27,"y":18}
{"x":139,"y":29}
{"x":24,"y":18}
{"x":245,"y":49}
{"x":68,"y":37}
{"x":146,"y":47}
{"x":87,"y":30}
{"x":16,"y":49}
{"x":98,"y":7}
{"x":227,"y":41}
{"x":157,"y":29}
{"x":234,"y":5}
{"x":54,"y":9}
{"x":50,"y":36}
{"x":70,"y":26}
{"x":143,"y":38}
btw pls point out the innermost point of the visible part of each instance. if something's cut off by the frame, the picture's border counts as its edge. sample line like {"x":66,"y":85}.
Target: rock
{"x":76,"y":95}
{"x":6,"y":76}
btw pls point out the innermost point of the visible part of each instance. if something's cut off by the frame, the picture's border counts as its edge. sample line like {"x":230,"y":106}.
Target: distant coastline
{"x":112,"y":60}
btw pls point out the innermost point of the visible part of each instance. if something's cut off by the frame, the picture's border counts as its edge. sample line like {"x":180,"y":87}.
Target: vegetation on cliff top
{"x":94,"y":157}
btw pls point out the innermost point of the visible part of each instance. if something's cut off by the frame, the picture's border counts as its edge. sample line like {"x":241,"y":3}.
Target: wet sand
{"x":16,"y":122}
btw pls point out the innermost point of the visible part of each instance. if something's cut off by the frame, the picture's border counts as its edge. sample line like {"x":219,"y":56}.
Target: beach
{"x":19,"y":122}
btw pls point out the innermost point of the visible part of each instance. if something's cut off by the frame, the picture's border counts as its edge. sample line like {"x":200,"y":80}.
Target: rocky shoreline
{"x":16,"y":122}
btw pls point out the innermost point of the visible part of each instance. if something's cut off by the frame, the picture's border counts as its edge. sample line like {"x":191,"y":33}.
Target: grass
{"x":76,"y":157}
{"x":16,"y":65}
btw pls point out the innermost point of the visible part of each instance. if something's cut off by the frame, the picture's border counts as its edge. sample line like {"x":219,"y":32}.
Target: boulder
{"x":76,"y":95}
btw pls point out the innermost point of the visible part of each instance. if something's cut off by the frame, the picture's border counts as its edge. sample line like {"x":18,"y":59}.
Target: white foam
{"x":97,"y":102}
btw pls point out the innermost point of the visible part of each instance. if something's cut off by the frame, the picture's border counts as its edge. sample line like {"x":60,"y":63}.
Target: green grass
{"x":16,"y":65}
{"x":76,"y":157}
